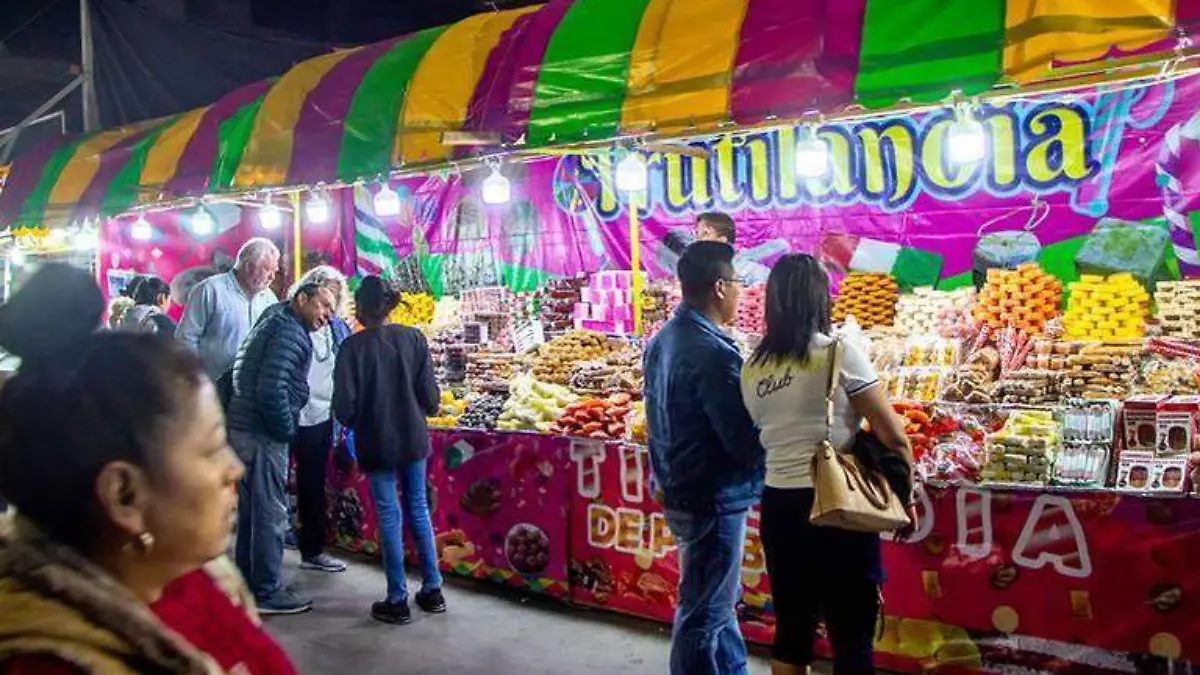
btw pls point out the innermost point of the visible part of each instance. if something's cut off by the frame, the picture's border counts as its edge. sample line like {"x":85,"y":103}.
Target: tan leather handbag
{"x":847,"y":495}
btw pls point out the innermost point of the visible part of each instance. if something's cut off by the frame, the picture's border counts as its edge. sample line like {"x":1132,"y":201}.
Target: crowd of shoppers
{"x":118,"y":557}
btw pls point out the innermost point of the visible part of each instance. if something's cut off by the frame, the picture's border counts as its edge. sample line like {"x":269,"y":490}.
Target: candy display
{"x":869,"y":297}
{"x":483,"y":412}
{"x":751,"y":316}
{"x":451,"y":409}
{"x":533,"y":405}
{"x":1025,"y":299}
{"x":929,"y":312}
{"x":415,"y":309}
{"x":1179,"y":308}
{"x":555,"y":361}
{"x":1024,"y":450}
{"x":602,"y":419}
{"x":993,"y":387}
{"x":1103,"y":309}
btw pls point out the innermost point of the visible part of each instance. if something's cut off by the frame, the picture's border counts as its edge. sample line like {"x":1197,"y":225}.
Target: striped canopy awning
{"x":578,"y":70}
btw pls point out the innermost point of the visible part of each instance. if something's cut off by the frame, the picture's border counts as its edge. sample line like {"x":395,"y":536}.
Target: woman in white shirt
{"x":815,"y":571}
{"x":316,"y":433}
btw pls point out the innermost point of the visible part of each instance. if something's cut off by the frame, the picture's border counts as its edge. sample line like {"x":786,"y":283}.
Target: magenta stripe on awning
{"x":24,"y":175}
{"x":317,"y":137}
{"x":776,"y":73}
{"x":196,"y":163}
{"x":111,"y":163}
{"x":488,"y":109}
{"x":505,"y":107}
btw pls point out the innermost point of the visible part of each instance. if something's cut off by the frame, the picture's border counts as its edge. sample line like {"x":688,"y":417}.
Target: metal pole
{"x":10,"y":135}
{"x":91,"y":109}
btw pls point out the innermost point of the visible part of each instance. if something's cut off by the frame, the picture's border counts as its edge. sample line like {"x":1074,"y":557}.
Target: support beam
{"x":10,"y":140}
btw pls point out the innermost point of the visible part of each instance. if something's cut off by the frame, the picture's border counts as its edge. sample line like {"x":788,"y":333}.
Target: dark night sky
{"x":49,"y":29}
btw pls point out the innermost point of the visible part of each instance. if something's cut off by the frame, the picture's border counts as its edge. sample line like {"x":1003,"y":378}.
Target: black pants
{"x":820,"y":572}
{"x":311,"y":448}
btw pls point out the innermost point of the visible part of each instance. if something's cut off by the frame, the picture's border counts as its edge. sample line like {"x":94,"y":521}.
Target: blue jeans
{"x":706,"y":639}
{"x":262,"y":518}
{"x":392,"y":510}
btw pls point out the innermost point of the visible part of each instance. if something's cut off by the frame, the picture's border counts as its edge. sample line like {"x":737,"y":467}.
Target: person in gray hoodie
{"x":149,"y":312}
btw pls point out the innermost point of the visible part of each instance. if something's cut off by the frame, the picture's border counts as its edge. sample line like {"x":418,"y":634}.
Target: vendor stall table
{"x":1053,"y":580}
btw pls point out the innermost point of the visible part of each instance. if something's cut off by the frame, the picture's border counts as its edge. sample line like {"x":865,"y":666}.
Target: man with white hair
{"x":222,"y":309}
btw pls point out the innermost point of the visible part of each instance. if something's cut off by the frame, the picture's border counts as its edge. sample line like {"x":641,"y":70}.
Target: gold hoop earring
{"x":144,"y":544}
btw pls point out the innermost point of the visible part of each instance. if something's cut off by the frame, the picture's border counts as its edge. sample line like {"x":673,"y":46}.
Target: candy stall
{"x":1010,"y":225}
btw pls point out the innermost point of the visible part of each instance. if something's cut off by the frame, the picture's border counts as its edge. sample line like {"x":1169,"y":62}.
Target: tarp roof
{"x":578,"y":70}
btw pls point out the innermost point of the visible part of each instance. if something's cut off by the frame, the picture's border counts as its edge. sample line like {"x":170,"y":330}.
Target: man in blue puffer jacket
{"x":270,"y":387}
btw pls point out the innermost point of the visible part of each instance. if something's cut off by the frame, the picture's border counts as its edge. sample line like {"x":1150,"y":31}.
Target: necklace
{"x":328,"y":334}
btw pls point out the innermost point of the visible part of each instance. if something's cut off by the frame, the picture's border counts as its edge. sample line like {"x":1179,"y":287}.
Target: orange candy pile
{"x":1026,"y":298}
{"x":869,"y":297}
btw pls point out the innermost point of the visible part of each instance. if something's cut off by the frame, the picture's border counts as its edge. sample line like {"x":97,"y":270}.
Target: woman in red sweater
{"x":113,"y":451}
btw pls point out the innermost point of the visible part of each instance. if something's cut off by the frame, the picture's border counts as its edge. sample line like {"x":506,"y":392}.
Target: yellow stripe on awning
{"x":1041,"y":31}
{"x":441,"y":89}
{"x":77,"y":175}
{"x":162,"y":161}
{"x":268,"y":154}
{"x":681,"y":63}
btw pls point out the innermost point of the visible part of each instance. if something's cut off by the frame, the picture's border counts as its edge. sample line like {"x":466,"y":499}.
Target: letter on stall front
{"x":1053,"y":534}
{"x":974,"y":509}
{"x":602,"y":526}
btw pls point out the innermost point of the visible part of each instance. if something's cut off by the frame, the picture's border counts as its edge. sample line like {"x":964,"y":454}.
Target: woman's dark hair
{"x":131,"y":288}
{"x":82,"y":399}
{"x":797,"y":307}
{"x":375,"y":299}
{"x":149,"y":291}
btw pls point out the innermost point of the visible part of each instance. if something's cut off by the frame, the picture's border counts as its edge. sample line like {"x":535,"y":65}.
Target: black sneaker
{"x":391,"y":612}
{"x":431,"y":601}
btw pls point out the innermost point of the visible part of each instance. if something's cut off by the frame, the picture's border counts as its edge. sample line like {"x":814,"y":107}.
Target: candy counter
{"x":1053,"y":470}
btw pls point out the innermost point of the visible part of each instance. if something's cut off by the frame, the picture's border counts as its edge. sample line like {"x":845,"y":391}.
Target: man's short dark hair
{"x":701,"y":266}
{"x":722,"y":224}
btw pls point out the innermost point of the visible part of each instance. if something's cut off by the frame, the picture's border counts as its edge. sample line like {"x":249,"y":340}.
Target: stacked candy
{"x":1179,"y":308}
{"x":869,"y":297}
{"x":415,"y":309}
{"x":929,"y":312}
{"x":751,"y":317}
{"x":1103,"y":309}
{"x":1024,"y":450}
{"x":1025,"y":298}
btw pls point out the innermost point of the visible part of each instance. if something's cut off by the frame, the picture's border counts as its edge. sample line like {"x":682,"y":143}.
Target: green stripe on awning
{"x":232,"y":138}
{"x":369,"y":130}
{"x":122,"y":192}
{"x":584,"y":75}
{"x":33,"y":210}
{"x":924,"y":49}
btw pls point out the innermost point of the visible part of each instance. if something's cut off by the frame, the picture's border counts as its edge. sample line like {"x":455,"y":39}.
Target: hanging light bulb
{"x":202,"y":222}
{"x":270,"y":218}
{"x":632,"y":173}
{"x":316,"y":209}
{"x":16,"y":257}
{"x":496,"y":188}
{"x":812,"y":155}
{"x":85,"y":239}
{"x":141,"y":230}
{"x":966,"y":140}
{"x":387,"y":202}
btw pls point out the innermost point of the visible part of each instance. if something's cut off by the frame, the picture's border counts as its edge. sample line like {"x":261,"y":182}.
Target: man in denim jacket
{"x":706,"y":459}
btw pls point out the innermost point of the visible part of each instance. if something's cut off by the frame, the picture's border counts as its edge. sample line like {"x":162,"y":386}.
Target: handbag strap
{"x":835,"y":370}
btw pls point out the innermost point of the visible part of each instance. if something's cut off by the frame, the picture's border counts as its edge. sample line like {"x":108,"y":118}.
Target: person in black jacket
{"x":269,"y":388}
{"x":384,"y":389}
